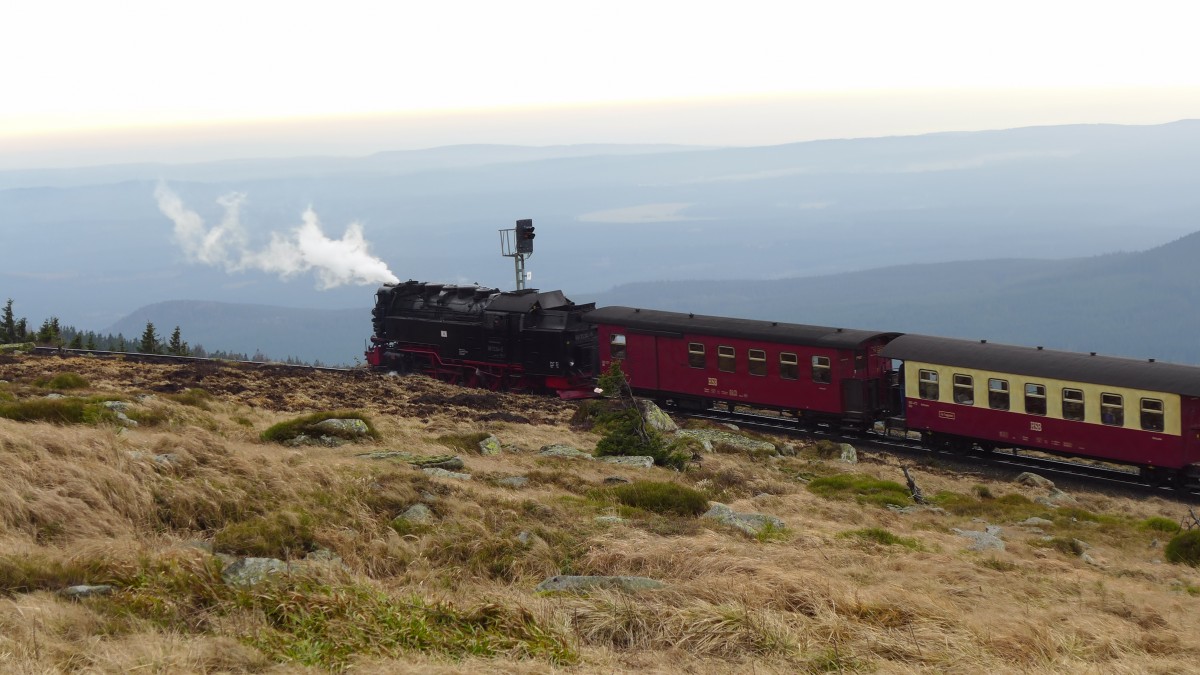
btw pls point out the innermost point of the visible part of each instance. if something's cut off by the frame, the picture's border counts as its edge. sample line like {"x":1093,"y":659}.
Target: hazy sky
{"x":88,"y":82}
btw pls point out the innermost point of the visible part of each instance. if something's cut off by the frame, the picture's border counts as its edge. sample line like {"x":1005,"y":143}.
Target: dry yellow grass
{"x":89,"y":503}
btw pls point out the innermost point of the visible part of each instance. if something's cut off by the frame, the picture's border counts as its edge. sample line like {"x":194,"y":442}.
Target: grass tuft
{"x":68,"y":410}
{"x":465,"y":443}
{"x":197,"y":398}
{"x":862,"y":488}
{"x":62,"y":381}
{"x":1160,"y":524}
{"x":307,"y":425}
{"x":1064,"y":545}
{"x":1184,"y":548}
{"x":282,"y":534}
{"x":878,"y":535}
{"x":661,"y":497}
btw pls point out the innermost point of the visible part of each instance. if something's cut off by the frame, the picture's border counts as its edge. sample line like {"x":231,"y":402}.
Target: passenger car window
{"x":1152,"y":414}
{"x":997,"y":394}
{"x":696,"y":355}
{"x":1072,"y":405}
{"x":789,"y":368}
{"x":1112,"y":409}
{"x":725,"y":359}
{"x":1035,"y":399}
{"x":927,"y":386}
{"x":964,"y":389}
{"x":616,"y":346}
{"x":821,"y":372}
{"x":758,"y":362}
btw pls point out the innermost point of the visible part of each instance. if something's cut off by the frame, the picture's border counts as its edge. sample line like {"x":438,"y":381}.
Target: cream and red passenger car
{"x":962,"y":393}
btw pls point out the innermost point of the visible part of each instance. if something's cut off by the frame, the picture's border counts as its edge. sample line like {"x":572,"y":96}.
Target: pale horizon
{"x":734,"y":121}
{"x":193,"y":82}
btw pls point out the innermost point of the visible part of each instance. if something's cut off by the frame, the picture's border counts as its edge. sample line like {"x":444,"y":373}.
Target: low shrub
{"x":1160,"y":524}
{"x":282,"y":534}
{"x":661,"y":497}
{"x":1184,"y":548}
{"x":863,"y":489}
{"x":466,"y":443}
{"x":626,"y":434}
{"x":307,"y":425}
{"x":878,"y":535}
{"x":62,"y":381}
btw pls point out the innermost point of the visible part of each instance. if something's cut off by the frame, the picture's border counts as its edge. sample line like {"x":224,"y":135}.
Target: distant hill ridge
{"x":332,"y":336}
{"x":1124,"y":304}
{"x":1139,"y":305}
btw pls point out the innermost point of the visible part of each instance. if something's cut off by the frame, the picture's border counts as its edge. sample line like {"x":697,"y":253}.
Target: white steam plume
{"x":334,"y":261}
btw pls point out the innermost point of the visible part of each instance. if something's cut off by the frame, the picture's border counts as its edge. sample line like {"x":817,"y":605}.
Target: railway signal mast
{"x":517,"y":243}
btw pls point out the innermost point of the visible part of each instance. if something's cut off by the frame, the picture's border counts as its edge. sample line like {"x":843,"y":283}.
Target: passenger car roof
{"x":651,"y":320}
{"x":1033,"y":361}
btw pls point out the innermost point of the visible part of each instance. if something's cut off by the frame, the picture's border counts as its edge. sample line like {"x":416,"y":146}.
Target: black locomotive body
{"x":483,"y":337}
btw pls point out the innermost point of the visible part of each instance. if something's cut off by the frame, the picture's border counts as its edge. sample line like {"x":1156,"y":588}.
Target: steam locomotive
{"x":961,"y":395}
{"x":483,"y":337}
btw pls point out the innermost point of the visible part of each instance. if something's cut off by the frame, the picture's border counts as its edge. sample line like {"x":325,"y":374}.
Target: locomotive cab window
{"x":964,"y":389}
{"x":1112,"y":410}
{"x":789,"y":366}
{"x":927,"y":386}
{"x":616,"y":346}
{"x":1035,"y":399}
{"x":997,"y":394}
{"x":725,"y":359}
{"x":1072,"y":405}
{"x":1152,"y":414}
{"x":821,"y":372}
{"x":758,"y":362}
{"x":696,"y":355}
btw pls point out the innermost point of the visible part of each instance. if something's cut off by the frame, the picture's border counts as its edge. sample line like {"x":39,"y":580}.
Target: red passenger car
{"x":961,"y":393}
{"x":814,"y":372}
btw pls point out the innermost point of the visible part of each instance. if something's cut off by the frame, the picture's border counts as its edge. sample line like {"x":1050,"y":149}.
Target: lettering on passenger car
{"x":1035,"y":426}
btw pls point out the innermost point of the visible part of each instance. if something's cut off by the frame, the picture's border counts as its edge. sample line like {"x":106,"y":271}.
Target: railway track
{"x":1014,"y":461}
{"x":1010,"y":461}
{"x":171,"y":358}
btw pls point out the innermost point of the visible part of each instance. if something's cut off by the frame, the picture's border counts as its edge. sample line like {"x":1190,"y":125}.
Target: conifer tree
{"x":22,"y":330}
{"x":91,"y":341}
{"x":47,"y":334}
{"x":77,"y":341}
{"x":177,"y":346}
{"x":8,"y":325}
{"x":149,"y":342}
